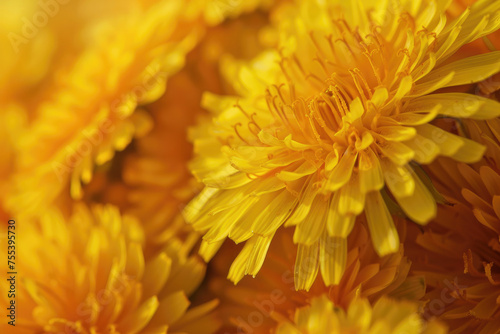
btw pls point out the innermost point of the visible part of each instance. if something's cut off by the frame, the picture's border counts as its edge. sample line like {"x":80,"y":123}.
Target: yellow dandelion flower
{"x":460,"y":261}
{"x":88,"y":111}
{"x":42,"y":39}
{"x":88,"y":274}
{"x":476,"y":186}
{"x":150,"y":180}
{"x":386,"y":316}
{"x":334,"y":124}
{"x":252,"y":302}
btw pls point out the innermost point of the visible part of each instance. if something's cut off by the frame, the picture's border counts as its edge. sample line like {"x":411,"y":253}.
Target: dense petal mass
{"x":151,"y":180}
{"x":88,"y":274}
{"x":465,"y":249}
{"x":460,"y":260}
{"x":88,"y":112}
{"x":336,"y":163}
{"x":334,"y":124}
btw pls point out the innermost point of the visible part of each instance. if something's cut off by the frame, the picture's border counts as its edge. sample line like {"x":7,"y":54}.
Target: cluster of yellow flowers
{"x":250,"y":166}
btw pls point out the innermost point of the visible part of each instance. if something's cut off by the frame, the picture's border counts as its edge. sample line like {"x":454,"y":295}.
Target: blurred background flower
{"x":88,"y":274}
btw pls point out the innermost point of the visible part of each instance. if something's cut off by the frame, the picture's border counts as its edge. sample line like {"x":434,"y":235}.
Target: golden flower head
{"x":88,"y":274}
{"x":460,"y":261}
{"x":335,"y":123}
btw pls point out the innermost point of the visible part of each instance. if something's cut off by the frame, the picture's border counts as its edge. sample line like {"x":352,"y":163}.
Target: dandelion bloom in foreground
{"x":88,"y":274}
{"x":334,"y":125}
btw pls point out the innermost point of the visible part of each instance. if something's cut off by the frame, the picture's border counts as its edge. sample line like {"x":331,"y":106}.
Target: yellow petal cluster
{"x":335,"y":122}
{"x":87,"y":274}
{"x":463,"y":269}
{"x":334,"y":163}
{"x":75,"y":92}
